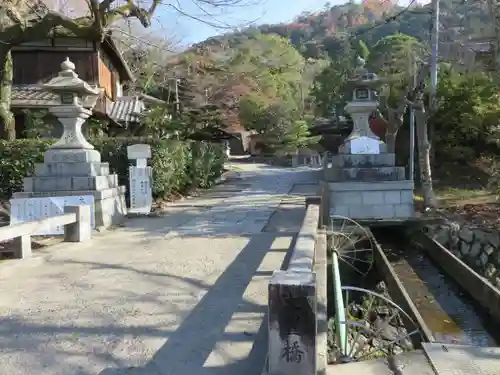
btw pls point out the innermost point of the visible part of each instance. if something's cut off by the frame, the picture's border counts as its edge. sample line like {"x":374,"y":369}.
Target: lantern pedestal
{"x":362,"y":182}
{"x":72,"y":167}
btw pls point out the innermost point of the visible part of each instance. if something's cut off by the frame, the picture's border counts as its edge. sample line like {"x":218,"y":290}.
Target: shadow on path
{"x":188,"y":348}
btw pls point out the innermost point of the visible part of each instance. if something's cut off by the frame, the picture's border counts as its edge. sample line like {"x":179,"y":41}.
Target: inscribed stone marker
{"x":140,"y":175}
{"x":292,"y":323}
{"x":365,"y":145}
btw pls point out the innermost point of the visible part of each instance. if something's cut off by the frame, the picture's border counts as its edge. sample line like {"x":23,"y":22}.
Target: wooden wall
{"x":39,"y":61}
{"x":108,"y":76}
{"x":34,"y":66}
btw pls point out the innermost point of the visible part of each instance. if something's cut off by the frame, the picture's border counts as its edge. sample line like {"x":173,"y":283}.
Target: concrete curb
{"x":321,"y":269}
{"x":477,"y":286}
{"x":229,"y":175}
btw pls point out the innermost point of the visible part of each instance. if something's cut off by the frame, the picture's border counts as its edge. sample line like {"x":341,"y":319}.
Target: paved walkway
{"x":182,"y":294}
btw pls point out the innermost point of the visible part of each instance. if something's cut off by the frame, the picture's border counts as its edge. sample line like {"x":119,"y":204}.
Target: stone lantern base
{"x":71,"y":166}
{"x":69,"y":172}
{"x":366,"y":187}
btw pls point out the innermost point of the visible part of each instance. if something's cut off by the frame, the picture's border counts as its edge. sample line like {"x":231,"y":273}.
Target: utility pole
{"x":177,"y":103}
{"x":433,"y":67}
{"x":494,"y":8}
{"x":206,"y":104}
{"x":413,"y":67}
{"x":434,"y":54}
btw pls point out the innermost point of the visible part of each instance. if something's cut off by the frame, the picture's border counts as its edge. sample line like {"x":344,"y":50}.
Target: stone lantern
{"x":77,"y":99}
{"x":364,"y":102}
{"x":72,"y":167}
{"x":363,"y":182}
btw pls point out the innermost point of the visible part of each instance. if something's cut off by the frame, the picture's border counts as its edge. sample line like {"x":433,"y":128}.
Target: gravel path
{"x":185,"y":293}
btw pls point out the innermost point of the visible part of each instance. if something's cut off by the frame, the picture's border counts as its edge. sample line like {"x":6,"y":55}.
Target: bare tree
{"x":23,"y":21}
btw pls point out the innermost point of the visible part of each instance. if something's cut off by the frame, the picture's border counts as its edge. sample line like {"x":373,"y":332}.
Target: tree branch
{"x":104,"y":7}
{"x":130,"y":10}
{"x":82,"y":27}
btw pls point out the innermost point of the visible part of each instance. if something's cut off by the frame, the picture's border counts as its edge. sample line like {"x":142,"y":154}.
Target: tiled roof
{"x":480,"y":46}
{"x":32,"y":96}
{"x":127,"y":109}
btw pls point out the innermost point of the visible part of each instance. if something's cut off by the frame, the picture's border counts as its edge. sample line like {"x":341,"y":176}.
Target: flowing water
{"x":451,"y":315}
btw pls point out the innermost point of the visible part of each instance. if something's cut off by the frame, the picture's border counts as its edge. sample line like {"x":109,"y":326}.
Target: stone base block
{"x":388,"y":192}
{"x":374,"y":211}
{"x":363,"y":161}
{"x":365,"y":174}
{"x":365,"y":200}
{"x":59,"y":183}
{"x":110,"y":211}
{"x":110,"y":206}
{"x":71,"y":169}
{"x":60,"y":155}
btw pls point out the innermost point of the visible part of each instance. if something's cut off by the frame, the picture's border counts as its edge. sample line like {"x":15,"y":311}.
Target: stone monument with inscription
{"x":362,"y":181}
{"x":292,"y":323}
{"x":140,"y":179}
{"x":72,"y":167}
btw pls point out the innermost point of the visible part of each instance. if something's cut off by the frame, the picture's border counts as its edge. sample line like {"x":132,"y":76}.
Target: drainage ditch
{"x":394,"y":297}
{"x":452,"y":316}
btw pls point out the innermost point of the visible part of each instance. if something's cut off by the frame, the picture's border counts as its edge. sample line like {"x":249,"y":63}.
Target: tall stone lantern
{"x":72,"y":167}
{"x":364,"y":102}
{"x":77,"y":99}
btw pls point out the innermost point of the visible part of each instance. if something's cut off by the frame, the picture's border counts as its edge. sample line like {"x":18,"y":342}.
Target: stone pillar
{"x":140,"y":179}
{"x":292,"y":323}
{"x":72,"y":167}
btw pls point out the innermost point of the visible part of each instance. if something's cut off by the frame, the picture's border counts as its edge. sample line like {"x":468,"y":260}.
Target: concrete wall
{"x":472,"y":261}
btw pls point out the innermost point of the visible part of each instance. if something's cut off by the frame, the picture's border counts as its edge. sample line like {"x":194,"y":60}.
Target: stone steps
{"x":366,"y":174}
{"x":61,"y":183}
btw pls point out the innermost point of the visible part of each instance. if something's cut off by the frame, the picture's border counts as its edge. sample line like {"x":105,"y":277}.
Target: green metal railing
{"x":340,"y":316}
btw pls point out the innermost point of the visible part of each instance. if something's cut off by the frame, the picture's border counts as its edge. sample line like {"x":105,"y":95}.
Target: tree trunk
{"x":424,"y":148}
{"x":6,"y":77}
{"x":390,"y":140}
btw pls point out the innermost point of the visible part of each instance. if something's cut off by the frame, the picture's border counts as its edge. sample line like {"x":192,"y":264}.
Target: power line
{"x":386,"y":21}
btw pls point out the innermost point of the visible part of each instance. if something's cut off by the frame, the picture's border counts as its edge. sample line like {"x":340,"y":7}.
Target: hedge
{"x":178,"y":166}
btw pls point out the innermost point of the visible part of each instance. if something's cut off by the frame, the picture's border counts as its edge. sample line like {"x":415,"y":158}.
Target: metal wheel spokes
{"x":374,"y":325}
{"x":353,"y":244}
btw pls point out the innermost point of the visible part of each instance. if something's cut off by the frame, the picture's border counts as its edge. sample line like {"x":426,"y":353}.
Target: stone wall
{"x":478,"y":248}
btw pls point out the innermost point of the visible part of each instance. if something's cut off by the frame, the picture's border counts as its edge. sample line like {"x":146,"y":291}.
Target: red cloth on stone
{"x":377,"y":126}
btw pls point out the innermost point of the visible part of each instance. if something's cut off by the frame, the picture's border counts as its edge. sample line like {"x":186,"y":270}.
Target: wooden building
{"x":100,"y":64}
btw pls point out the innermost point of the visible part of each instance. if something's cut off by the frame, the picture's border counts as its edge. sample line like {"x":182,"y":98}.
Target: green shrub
{"x":17,"y":160}
{"x":177,"y":166}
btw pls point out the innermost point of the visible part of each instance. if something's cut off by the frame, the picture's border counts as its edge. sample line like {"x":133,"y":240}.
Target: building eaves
{"x":127,"y":109}
{"x":25,"y":96}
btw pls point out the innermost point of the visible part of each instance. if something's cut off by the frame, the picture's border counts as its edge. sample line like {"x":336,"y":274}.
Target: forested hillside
{"x":315,"y":34}
{"x":277,"y":79}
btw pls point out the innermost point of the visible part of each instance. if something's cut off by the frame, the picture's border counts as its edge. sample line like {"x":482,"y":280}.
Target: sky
{"x":186,"y":30}
{"x":191,"y":31}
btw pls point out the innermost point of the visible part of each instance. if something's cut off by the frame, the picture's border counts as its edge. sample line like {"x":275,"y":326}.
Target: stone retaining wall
{"x":478,"y":248}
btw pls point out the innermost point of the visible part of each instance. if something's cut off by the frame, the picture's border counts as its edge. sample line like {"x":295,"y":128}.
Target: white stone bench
{"x":76,"y":221}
